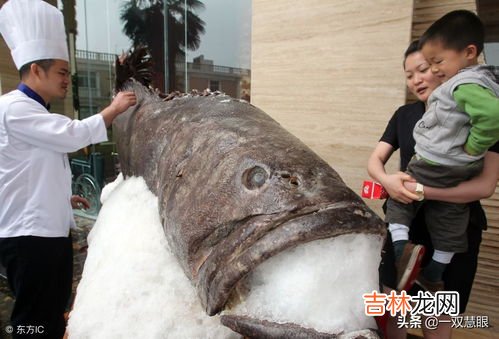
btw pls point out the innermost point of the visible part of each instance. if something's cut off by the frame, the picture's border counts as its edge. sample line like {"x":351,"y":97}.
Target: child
{"x":461,"y":122}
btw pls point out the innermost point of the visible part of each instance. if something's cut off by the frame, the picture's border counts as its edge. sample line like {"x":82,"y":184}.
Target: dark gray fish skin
{"x":262,"y":329}
{"x":234,"y":187}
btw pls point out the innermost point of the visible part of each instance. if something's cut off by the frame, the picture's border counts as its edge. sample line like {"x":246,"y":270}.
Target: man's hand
{"x":79,"y":202}
{"x":121,"y":102}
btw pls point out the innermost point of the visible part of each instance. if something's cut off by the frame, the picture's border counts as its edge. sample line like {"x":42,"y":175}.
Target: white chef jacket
{"x":35,"y":177}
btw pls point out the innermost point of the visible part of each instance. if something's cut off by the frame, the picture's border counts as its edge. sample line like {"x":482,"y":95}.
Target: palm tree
{"x":144,"y":25}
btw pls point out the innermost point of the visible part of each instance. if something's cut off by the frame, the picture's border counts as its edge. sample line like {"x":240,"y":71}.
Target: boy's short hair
{"x":456,"y":30}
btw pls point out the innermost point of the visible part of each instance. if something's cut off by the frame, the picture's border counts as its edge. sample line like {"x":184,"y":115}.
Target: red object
{"x":413,"y":268}
{"x":373,"y":190}
{"x":381,"y":322}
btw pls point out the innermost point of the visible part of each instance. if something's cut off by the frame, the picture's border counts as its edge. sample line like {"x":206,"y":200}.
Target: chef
{"x":35,"y":177}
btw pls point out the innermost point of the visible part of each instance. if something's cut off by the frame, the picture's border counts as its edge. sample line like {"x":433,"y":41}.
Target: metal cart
{"x":88,"y":180}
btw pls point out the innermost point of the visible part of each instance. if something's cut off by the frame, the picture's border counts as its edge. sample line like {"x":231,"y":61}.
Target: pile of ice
{"x":318,"y":285}
{"x":133,"y":287}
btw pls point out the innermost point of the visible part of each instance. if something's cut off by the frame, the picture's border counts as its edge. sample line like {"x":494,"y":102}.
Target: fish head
{"x":237,"y":189}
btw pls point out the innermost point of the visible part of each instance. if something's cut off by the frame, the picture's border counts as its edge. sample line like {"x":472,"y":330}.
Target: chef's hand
{"x":79,"y":202}
{"x":121,"y":102}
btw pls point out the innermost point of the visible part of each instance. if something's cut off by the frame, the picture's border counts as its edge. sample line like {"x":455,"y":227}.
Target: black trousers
{"x":459,"y":274}
{"x":40,"y":273}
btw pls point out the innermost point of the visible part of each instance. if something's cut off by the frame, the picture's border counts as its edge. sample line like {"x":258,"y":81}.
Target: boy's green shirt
{"x":482,"y":105}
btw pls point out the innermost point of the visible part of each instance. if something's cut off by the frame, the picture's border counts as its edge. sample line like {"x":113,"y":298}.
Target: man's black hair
{"x":456,"y":30}
{"x":45,"y":64}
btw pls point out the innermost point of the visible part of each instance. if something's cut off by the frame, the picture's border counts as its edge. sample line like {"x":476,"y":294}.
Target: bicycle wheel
{"x":86,"y":186}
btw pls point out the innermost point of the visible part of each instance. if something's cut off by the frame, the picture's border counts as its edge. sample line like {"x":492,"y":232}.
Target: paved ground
{"x":80,"y":252}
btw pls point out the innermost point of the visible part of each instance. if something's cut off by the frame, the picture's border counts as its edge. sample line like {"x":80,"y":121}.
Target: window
{"x":488,"y":13}
{"x":87,"y":111}
{"x":88,"y":80}
{"x":491,"y":50}
{"x":214,"y":85}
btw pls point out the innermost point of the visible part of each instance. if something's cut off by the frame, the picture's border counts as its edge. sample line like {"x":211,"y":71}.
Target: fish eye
{"x":254,"y":177}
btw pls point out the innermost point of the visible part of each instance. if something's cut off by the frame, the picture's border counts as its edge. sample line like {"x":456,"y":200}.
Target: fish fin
{"x":136,"y":64}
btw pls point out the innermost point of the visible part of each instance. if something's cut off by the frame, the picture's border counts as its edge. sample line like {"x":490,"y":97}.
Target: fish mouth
{"x":262,"y":237}
{"x":314,"y":290}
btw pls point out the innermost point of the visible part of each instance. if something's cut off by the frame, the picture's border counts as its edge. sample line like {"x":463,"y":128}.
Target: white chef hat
{"x":33,"y":30}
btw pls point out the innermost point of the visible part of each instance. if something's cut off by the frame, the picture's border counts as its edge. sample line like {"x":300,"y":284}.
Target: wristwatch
{"x":420,"y":191}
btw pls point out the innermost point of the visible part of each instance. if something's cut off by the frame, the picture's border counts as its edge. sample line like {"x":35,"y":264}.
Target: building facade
{"x":331,"y":73}
{"x":95,"y":79}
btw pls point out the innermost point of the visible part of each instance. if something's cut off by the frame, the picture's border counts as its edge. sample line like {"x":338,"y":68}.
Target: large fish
{"x":234,"y":189}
